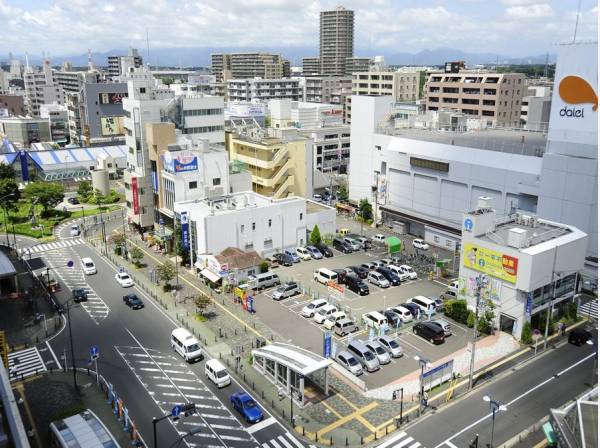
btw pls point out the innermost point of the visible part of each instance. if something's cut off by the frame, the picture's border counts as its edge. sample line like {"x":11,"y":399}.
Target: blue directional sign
{"x":468,"y":224}
{"x":176,"y":410}
{"x":327,"y":344}
{"x":94,"y":352}
{"x":70,"y":263}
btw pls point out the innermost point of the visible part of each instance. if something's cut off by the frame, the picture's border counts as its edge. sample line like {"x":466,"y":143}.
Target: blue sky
{"x":508,"y":27}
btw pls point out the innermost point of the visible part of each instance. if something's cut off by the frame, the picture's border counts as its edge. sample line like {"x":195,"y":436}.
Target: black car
{"x":79,"y":295}
{"x":414,"y":309}
{"x":392,"y":318}
{"x":341,"y":275}
{"x":342,"y":246}
{"x":360,"y":271}
{"x":579,"y":336}
{"x":390,"y":276}
{"x":428,"y":330}
{"x":73,"y":200}
{"x":284,"y":259}
{"x":133,"y":301}
{"x":324,"y":249}
{"x":355,"y":284}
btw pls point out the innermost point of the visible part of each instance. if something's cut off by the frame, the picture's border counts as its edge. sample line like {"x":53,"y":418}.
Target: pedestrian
{"x":563,"y":328}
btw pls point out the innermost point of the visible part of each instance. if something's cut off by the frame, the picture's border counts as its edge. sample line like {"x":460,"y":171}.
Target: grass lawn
{"x":21,"y":223}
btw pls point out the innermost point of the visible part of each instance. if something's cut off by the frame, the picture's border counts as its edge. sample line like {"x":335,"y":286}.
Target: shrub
{"x":264,"y":266}
{"x":572,"y":311}
{"x":471,"y":319}
{"x":526,"y":334}
{"x":457,"y":310}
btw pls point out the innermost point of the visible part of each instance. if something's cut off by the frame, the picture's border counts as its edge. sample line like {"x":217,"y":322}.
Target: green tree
{"x":526,"y":337}
{"x":166,"y":272}
{"x":201,"y":301}
{"x":471,"y":319}
{"x":342,"y":194}
{"x":84,"y":191}
{"x":136,"y":255}
{"x":315,"y":235}
{"x":364,"y":213}
{"x":46,"y":194}
{"x":264,"y":266}
{"x":9,"y":192}
{"x":7,"y":171}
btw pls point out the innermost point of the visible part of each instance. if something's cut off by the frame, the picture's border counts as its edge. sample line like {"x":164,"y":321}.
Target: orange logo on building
{"x":509,"y":264}
{"x":576,"y":90}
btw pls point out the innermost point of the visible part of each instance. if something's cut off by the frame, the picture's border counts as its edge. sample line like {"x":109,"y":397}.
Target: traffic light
{"x":475,"y":442}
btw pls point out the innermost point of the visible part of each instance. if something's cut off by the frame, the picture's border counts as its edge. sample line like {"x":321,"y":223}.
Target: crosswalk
{"x":284,"y":441}
{"x":44,"y":247}
{"x":25,"y":363}
{"x":400,"y":440}
{"x":589,"y":309}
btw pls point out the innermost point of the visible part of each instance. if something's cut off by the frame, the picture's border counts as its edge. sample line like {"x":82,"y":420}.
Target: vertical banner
{"x":24,"y":166}
{"x":185,"y":231}
{"x":327,"y":344}
{"x":136,"y":198}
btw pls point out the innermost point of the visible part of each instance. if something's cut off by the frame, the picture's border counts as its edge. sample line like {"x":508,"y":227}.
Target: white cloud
{"x":108,"y":8}
{"x":519,"y":2}
{"x":535,"y":11}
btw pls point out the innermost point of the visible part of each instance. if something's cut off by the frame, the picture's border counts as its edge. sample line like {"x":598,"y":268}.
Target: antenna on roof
{"x":577,"y":20}
{"x":148,"y":47}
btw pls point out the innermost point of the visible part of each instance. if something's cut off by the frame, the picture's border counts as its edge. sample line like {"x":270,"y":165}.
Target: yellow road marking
{"x":347,"y":418}
{"x":542,"y":444}
{"x":347,"y":401}
{"x":367,"y":423}
{"x":19,"y":387}
{"x":337,"y":414}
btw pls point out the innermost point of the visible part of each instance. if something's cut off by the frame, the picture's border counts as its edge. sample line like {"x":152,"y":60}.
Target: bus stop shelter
{"x":292,"y":369}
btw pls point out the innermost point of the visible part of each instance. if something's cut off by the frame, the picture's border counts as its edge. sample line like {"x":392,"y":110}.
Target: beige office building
{"x":494,"y":97}
{"x":336,"y":40}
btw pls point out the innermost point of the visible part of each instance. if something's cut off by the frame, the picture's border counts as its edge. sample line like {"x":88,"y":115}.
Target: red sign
{"x":510,"y":264}
{"x":136,"y":198}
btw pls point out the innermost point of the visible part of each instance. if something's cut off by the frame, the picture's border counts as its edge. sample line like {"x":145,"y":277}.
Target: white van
{"x":401,"y":273}
{"x":374,"y":319}
{"x":324,"y":275}
{"x":217,"y":373}
{"x":184,"y":343}
{"x":264,"y":280}
{"x":424,"y":303}
{"x":88,"y":266}
{"x":453,"y":286}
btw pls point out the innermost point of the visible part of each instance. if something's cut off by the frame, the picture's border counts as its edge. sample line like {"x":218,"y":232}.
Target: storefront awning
{"x":394,"y":244}
{"x":210,"y":275}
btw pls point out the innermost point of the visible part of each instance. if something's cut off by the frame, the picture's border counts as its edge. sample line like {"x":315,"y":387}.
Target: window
{"x":242,"y":228}
{"x":216,"y":181}
{"x":193,"y":185}
{"x":301,"y":216}
{"x":253,"y":226}
{"x":142,"y":90}
{"x":270,"y":222}
{"x":430,"y":164}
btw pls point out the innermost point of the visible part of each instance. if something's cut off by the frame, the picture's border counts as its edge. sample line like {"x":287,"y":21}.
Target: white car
{"x":408,"y":271}
{"x":123,"y":279}
{"x":331,"y":320}
{"x":420,"y":244}
{"x":311,"y":309}
{"x":303,"y":253}
{"x":402,"y":312}
{"x":379,"y":238}
{"x":324,"y":313}
{"x":74,"y":231}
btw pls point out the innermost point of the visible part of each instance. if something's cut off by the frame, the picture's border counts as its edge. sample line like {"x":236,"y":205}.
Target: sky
{"x":507,"y":27}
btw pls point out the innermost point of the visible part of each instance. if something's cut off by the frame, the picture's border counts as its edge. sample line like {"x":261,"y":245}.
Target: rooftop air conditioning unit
{"x":517,"y":237}
{"x":484,"y":202}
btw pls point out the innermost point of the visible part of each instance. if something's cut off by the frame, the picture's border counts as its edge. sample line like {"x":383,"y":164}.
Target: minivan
{"x":88,"y":266}
{"x":365,"y":356}
{"x":408,"y":271}
{"x":355,"y":284}
{"x":374,"y":319}
{"x":264,"y":280}
{"x":217,"y":373}
{"x":342,"y":246}
{"x":344,"y":326}
{"x":324,"y":249}
{"x":184,"y":343}
{"x":311,"y":309}
{"x":420,"y":244}
{"x":402,"y":312}
{"x":286,"y":290}
{"x":361,"y":271}
{"x":332,"y":319}
{"x":378,"y":279}
{"x":402,"y":275}
{"x":324,"y":275}
{"x":349,"y":362}
{"x":379,"y":238}
{"x":293,"y":255}
{"x":426,"y":305}
{"x":354,"y":244}
{"x":382,"y":355}
{"x":430,"y":331}
{"x":389,"y":275}
{"x":314,"y":252}
{"x":449,"y":294}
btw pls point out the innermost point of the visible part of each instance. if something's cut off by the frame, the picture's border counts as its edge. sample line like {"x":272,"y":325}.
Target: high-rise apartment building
{"x":493,"y":97}
{"x":354,"y":65}
{"x":263,"y":89}
{"x":328,"y":89}
{"x":248,"y":65}
{"x":336,"y":40}
{"x":41,"y":88}
{"x":73,"y":81}
{"x":220,"y":66}
{"x":119,"y":65}
{"x":311,"y":66}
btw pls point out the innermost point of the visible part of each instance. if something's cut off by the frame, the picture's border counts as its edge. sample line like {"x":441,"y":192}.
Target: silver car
{"x":349,"y":362}
{"x":378,"y":279}
{"x":445,"y":326}
{"x":391,"y":345}
{"x":377,"y":349}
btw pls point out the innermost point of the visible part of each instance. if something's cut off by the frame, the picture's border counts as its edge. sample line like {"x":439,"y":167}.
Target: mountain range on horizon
{"x":200,"y":57}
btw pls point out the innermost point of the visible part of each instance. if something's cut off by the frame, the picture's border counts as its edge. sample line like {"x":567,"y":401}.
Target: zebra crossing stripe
{"x":275,"y":444}
{"x":293,"y":439}
{"x":285,"y":442}
{"x":392,"y":440}
{"x":404,"y":442}
{"x":25,"y":363}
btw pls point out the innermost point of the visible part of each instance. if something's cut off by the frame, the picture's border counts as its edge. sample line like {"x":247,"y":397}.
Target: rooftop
{"x":231,"y":203}
{"x":296,"y":358}
{"x":513,"y":141}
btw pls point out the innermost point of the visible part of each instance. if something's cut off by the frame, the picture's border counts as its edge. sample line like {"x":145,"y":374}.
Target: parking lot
{"x":284,"y":316}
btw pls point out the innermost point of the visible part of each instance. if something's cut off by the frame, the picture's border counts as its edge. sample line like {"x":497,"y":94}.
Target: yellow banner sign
{"x":490,"y":262}
{"x":112,"y":126}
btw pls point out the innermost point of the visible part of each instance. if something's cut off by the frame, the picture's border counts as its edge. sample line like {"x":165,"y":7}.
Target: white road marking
{"x":392,"y":440}
{"x":261,"y":425}
{"x":54,"y":356}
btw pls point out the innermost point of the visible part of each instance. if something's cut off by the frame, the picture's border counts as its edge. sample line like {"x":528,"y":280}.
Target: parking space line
{"x":409,"y":344}
{"x":421,"y":339}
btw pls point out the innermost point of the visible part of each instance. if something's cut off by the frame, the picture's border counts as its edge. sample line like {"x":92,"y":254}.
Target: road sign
{"x":94,"y":352}
{"x":70,"y":263}
{"x":176,"y":410}
{"x":327,"y":344}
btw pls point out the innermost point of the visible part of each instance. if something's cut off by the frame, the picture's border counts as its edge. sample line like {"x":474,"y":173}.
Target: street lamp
{"x":482,"y":282}
{"x":422,"y":363}
{"x":495,"y":406}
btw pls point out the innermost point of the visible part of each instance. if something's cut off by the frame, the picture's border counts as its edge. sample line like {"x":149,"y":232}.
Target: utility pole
{"x":481,"y":282}
{"x":551,"y":307}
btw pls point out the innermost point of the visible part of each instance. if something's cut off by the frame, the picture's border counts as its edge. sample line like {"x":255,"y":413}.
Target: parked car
{"x":356,"y":285}
{"x":342,"y":246}
{"x":368,"y":265}
{"x":420,"y":244}
{"x":75,"y":230}
{"x":426,"y":305}
{"x":579,"y":336}
{"x":324,"y":249}
{"x":273,"y":263}
{"x":414,"y":309}
{"x":449,"y":294}
{"x":124,"y":279}
{"x":402,"y":312}
{"x":360,"y":271}
{"x":408,"y":271}
{"x":354,"y":244}
{"x":439,"y":304}
{"x":311,"y":309}
{"x":79,"y":295}
{"x":284,"y":259}
{"x":303,"y":253}
{"x":133,"y":302}
{"x":73,"y":200}
{"x":378,"y":264}
{"x":387,"y":261}
{"x":401,"y":273}
{"x":389,"y":275}
{"x":349,"y":362}
{"x":292,"y":253}
{"x":391,"y":345}
{"x":333,"y":318}
{"x":314,"y":252}
{"x":393,"y":319}
{"x":362,"y":240}
{"x":378,"y":279}
{"x":323,"y":313}
{"x":286,"y":290}
{"x":377,"y":349}
{"x":245,"y":405}
{"x":379,"y":238}
{"x":444,"y":325}
{"x":429,"y":331}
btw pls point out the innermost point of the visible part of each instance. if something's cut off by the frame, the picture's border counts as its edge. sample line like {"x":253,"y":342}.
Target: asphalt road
{"x":528,"y":392}
{"x":136,"y":357}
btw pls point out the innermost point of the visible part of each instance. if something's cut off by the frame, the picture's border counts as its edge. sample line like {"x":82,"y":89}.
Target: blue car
{"x":294,"y":256}
{"x":245,"y":405}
